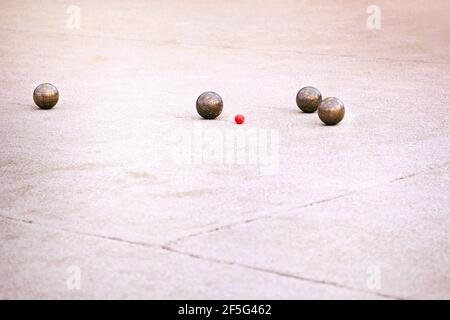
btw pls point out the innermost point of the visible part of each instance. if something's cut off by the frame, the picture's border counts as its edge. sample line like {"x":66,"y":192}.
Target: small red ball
{"x":239,"y":119}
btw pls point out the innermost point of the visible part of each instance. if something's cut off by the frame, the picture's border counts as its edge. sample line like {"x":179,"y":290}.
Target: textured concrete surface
{"x":125,"y":183}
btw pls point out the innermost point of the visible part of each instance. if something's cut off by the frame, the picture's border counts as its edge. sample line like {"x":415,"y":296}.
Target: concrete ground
{"x":122,"y":191}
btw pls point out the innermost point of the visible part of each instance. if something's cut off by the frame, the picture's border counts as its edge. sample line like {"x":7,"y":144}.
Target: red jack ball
{"x":239,"y":119}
